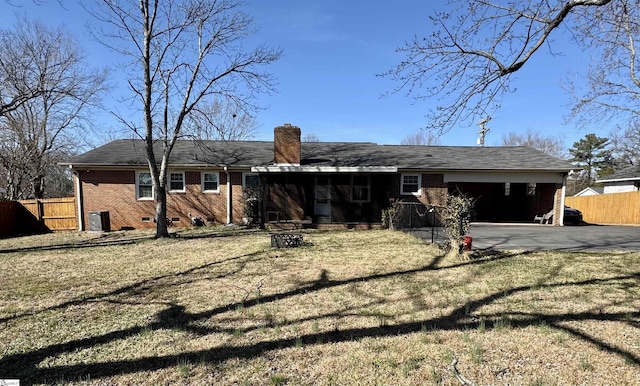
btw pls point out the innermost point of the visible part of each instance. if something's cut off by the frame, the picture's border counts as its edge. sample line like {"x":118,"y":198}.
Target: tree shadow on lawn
{"x":141,"y":285}
{"x":121,"y":238}
{"x":25,"y":365}
{"x":90,"y":243}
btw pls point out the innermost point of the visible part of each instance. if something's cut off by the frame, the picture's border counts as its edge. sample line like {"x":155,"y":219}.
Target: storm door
{"x":322,"y":197}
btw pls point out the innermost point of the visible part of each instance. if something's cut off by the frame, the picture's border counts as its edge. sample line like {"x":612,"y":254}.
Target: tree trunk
{"x":38,"y":186}
{"x":161,"y":212}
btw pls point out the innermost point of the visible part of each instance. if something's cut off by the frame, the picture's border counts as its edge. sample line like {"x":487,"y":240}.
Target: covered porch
{"x":318,"y":199}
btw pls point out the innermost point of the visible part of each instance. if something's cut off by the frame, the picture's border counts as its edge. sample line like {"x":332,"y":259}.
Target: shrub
{"x":456,"y":216}
{"x":251,"y":211}
{"x":389,"y":216}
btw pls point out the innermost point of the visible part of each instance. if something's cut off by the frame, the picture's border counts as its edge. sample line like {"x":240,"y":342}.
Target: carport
{"x":509,"y":196}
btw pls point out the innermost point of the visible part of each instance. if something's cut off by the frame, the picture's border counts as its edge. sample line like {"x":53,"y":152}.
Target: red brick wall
{"x":286,"y":144}
{"x":434,"y":189}
{"x":557,"y":204}
{"x":114,"y":191}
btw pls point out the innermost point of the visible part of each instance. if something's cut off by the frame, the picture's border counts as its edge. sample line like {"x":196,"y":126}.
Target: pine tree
{"x":594,"y":157}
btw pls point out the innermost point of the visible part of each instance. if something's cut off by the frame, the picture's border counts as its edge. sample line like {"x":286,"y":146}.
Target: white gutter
{"x":323,"y":169}
{"x":229,"y":203}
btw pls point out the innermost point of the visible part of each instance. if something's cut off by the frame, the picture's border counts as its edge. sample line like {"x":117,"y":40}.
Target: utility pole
{"x":484,"y":129}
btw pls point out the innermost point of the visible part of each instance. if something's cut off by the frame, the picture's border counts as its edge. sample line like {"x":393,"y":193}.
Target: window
{"x":411,"y":184}
{"x":211,"y":182}
{"x":176,"y":182}
{"x":360,"y":188}
{"x":251,"y":181}
{"x":144,"y":186}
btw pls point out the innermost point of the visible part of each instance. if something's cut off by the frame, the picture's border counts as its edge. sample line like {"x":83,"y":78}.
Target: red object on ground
{"x":466,"y":244}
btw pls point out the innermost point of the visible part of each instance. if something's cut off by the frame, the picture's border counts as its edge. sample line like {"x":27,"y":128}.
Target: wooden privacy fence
{"x":612,"y":208}
{"x":8,"y":218}
{"x":57,"y":214}
{"x":37,"y":216}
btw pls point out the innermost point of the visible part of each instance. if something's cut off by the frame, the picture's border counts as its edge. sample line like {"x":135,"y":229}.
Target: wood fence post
{"x":40,"y":210}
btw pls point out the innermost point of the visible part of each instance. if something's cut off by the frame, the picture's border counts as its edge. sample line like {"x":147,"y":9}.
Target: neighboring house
{"x":625,"y":180}
{"x":590,"y":191}
{"x":314,"y":182}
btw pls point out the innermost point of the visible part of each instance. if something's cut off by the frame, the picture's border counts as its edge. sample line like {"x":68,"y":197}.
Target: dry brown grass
{"x":214,"y":306}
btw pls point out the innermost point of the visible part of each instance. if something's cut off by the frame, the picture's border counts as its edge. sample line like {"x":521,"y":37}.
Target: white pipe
{"x":229,"y":204}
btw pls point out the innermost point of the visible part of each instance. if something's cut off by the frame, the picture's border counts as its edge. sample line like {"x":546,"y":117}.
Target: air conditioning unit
{"x":99,"y":222}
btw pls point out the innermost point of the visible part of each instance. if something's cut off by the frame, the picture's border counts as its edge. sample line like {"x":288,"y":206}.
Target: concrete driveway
{"x":535,"y":237}
{"x":545,"y":237}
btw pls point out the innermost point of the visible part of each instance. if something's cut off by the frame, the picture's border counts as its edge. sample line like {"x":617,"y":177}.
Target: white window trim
{"x":202,"y":181}
{"x":244,"y":178}
{"x":184,"y":182}
{"x":138,"y":186}
{"x":368,"y":199}
{"x":419,"y":192}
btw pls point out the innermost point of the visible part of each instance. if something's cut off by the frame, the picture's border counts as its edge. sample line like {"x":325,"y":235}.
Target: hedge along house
{"x":342,"y":183}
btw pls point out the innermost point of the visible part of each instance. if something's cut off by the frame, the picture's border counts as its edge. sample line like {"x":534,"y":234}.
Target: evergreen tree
{"x":594,"y":157}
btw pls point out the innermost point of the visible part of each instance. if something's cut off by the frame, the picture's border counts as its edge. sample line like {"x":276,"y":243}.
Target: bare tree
{"x":552,"y":145}
{"x":44,"y":128}
{"x":36,"y":2}
{"x":220,"y":121}
{"x":468,"y":60}
{"x":611,"y":87}
{"x":626,"y":145}
{"x":310,"y":138}
{"x":421,"y":138}
{"x":180,"y":53}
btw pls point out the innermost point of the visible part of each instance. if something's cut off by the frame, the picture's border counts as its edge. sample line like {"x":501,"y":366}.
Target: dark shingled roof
{"x":336,"y":154}
{"x":628,"y":173}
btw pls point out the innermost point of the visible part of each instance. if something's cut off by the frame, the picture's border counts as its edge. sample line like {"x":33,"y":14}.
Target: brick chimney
{"x":286,"y":144}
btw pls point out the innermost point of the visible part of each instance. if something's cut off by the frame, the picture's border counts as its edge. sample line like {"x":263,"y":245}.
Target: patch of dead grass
{"x":213,"y":306}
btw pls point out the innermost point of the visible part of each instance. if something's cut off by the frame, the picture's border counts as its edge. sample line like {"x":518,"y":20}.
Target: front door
{"x":322,"y":198}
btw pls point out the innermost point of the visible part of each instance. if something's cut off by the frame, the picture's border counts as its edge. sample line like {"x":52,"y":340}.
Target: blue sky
{"x":327,"y":83}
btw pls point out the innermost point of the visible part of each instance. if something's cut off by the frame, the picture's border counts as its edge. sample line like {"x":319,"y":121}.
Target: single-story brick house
{"x":314,"y":182}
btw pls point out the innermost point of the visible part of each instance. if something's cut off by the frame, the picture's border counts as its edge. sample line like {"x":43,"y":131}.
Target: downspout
{"x":78,"y":192}
{"x":229,"y":201}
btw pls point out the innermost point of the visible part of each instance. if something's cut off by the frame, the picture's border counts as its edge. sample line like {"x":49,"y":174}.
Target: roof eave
{"x":75,"y":165}
{"x":445,"y":170}
{"x":618,"y":180}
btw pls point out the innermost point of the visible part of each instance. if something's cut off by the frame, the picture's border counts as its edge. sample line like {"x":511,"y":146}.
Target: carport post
{"x":562,"y":196}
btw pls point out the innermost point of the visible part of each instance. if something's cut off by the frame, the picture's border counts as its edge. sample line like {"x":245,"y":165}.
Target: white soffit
{"x":500,"y":177}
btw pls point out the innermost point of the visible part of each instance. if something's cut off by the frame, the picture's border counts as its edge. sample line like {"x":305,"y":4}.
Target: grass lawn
{"x":214,"y":306}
